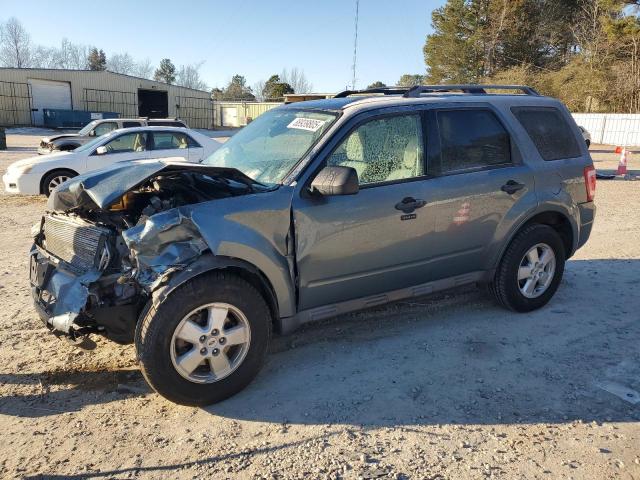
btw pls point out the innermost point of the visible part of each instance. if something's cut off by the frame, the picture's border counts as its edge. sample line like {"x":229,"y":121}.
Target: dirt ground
{"x":441,"y":387}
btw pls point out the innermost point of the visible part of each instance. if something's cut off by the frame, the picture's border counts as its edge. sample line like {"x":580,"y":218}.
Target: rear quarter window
{"x":549,"y":131}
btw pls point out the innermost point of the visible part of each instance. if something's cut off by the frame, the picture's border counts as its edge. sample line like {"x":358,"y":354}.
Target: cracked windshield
{"x":268,"y":148}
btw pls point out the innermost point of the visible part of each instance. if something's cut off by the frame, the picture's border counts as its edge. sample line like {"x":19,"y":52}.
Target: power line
{"x":355,"y":47}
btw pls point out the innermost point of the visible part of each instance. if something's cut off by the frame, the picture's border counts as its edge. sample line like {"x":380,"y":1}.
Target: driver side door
{"x":373,"y":242}
{"x":124,"y":147}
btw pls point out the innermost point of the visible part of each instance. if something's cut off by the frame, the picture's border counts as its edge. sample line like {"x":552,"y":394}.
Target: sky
{"x":248,"y":37}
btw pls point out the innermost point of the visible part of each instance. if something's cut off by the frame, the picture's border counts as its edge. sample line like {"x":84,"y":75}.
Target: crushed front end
{"x":82,"y":278}
{"x":111,"y":238}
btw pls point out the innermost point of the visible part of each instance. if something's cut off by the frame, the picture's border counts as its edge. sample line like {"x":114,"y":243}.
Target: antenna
{"x":355,"y":47}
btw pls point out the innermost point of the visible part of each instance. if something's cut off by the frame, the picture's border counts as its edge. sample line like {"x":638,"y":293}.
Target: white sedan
{"x":41,"y":174}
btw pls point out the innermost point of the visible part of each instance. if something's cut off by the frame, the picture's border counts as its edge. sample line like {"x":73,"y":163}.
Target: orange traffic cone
{"x":618,"y":150}
{"x":622,"y":164}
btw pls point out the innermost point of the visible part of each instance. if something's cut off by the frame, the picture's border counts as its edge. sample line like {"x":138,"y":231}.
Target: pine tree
{"x":274,"y":89}
{"x":97,"y":60}
{"x":166,"y":72}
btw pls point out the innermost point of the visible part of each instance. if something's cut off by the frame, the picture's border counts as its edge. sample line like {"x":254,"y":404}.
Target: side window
{"x":131,"y":124}
{"x":105,"y":127}
{"x":383,"y":150}
{"x":469,"y":139}
{"x":192,"y":143}
{"x":129,"y":142}
{"x":549,"y":131}
{"x":169,"y":141}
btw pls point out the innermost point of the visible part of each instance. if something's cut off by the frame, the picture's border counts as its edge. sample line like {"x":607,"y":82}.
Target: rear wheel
{"x":530,"y":270}
{"x":206,"y":341}
{"x":53,"y":179}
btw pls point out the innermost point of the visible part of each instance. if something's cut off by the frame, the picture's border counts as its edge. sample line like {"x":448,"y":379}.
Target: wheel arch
{"x":55,"y":170}
{"x":209,"y":263}
{"x":556,"y":219}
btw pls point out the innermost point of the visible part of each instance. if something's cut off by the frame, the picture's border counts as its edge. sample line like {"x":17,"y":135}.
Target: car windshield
{"x":87,"y":128}
{"x":89,"y":145}
{"x":270,"y":146}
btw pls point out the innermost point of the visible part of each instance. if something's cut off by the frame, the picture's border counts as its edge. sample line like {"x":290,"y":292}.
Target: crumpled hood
{"x":99,"y":189}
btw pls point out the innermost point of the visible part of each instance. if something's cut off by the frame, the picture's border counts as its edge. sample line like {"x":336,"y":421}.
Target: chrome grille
{"x":78,"y":243}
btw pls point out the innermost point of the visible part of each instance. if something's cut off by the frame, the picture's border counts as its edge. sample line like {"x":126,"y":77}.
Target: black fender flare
{"x":208,"y":262}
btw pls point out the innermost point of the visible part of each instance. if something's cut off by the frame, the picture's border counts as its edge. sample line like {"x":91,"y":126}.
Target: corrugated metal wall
{"x":98,"y":91}
{"x":243,"y":112}
{"x":611,"y":128}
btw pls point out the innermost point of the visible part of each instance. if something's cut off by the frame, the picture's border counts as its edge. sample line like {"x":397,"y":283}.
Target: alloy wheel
{"x":536,"y":271}
{"x":210,"y":342}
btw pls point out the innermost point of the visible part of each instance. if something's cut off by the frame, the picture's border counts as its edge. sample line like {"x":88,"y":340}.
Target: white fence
{"x":611,"y":128}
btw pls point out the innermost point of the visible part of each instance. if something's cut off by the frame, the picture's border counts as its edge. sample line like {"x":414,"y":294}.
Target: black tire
{"x":505,"y":284}
{"x":50,"y":176}
{"x":154,"y":334}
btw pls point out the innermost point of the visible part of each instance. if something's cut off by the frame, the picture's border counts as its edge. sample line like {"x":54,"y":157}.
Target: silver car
{"x":313,"y":210}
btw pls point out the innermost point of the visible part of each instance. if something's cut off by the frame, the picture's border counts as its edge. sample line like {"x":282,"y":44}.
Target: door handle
{"x":512,"y":187}
{"x":409,"y":204}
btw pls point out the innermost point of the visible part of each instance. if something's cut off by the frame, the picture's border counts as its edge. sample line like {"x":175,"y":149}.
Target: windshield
{"x":87,"y":128}
{"x":270,"y":146}
{"x":91,"y":144}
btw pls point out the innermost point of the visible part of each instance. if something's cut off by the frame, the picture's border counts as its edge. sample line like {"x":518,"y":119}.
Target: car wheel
{"x":206,"y":341}
{"x":530,"y":270}
{"x":55,"y":178}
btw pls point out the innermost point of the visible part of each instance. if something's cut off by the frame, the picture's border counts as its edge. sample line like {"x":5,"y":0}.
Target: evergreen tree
{"x":377,"y":84}
{"x":166,"y":72}
{"x":97,"y":60}
{"x":275,"y":90}
{"x":411,"y":80}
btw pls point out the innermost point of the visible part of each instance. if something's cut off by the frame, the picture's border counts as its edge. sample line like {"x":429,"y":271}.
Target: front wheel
{"x":530,"y":270}
{"x":206,"y":341}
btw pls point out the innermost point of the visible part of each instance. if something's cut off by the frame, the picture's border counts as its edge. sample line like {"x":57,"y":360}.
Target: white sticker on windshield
{"x":310,"y":124}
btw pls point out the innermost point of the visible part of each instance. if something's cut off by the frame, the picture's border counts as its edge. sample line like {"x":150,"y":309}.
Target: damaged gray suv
{"x":313,"y":210}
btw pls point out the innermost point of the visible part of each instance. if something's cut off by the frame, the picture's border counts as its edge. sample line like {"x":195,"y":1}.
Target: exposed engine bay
{"x":95,"y":264}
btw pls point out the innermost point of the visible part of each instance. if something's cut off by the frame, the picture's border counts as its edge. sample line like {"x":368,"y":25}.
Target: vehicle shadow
{"x":85,"y":387}
{"x":461,"y":359}
{"x":452,"y":358}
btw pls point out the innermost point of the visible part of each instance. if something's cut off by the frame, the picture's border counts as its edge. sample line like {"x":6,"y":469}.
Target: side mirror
{"x":335,"y":181}
{"x":101,"y":150}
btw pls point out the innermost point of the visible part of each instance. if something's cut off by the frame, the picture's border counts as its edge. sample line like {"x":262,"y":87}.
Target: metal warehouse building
{"x":26,"y":92}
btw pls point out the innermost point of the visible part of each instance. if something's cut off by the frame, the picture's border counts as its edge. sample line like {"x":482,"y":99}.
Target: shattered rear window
{"x":270,"y":146}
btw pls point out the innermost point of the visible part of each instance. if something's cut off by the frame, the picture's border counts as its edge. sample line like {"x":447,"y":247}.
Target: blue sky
{"x":252,"y":38}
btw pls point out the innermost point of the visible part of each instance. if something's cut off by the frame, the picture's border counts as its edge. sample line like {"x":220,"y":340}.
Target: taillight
{"x":590,"y":182}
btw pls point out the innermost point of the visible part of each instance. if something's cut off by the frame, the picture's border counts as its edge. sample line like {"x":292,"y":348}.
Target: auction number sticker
{"x":310,"y":124}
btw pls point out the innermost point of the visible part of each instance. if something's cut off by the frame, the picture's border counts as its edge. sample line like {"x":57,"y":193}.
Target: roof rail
{"x":383,"y":90}
{"x":416,"y":91}
{"x":476,"y":89}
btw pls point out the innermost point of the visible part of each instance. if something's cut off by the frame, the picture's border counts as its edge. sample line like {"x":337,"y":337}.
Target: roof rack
{"x":416,"y":91}
{"x":368,"y":91}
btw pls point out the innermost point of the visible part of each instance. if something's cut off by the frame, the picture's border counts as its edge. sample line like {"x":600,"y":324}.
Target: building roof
{"x":102,"y":72}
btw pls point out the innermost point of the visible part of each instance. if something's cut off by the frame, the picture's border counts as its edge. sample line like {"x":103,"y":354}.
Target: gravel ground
{"x":441,"y":387}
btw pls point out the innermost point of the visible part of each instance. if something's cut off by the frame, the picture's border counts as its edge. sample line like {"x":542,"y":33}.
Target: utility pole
{"x":355,"y":47}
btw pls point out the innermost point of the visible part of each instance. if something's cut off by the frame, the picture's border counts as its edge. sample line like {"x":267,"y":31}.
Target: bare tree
{"x":15,"y":45}
{"x":69,"y":56}
{"x":258,"y":88}
{"x":297,"y":79}
{"x":143,"y":69}
{"x":189,"y":76}
{"x":121,"y":63}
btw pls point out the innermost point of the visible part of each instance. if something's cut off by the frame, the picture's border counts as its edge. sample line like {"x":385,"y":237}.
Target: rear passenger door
{"x":169,"y":144}
{"x":478,"y":184}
